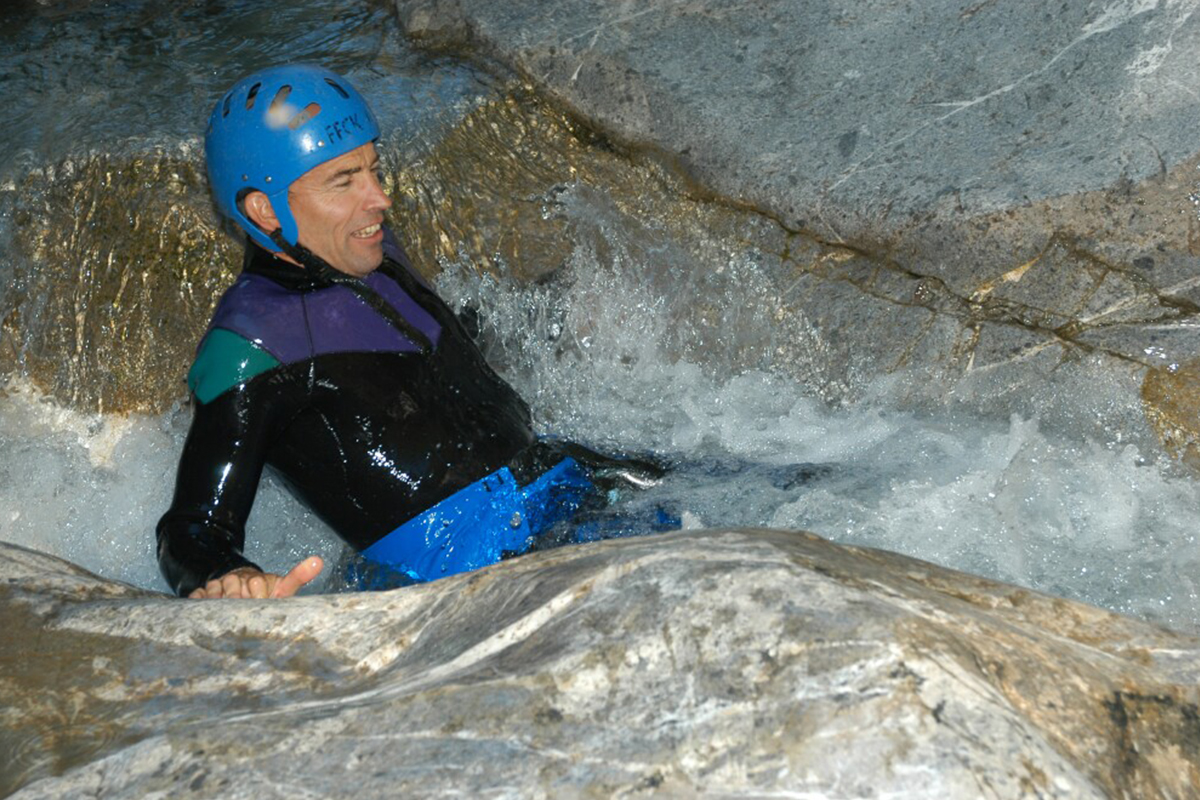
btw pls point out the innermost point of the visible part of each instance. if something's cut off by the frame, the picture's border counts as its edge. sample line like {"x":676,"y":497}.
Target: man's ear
{"x":257,"y":206}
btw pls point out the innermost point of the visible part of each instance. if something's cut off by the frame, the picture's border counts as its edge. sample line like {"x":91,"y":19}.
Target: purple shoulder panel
{"x":280,"y":321}
{"x":266,"y":314}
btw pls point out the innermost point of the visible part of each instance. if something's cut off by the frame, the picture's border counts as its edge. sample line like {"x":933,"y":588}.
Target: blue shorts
{"x":475,"y":527}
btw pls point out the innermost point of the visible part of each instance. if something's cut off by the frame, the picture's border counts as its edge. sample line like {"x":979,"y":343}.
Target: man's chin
{"x":363,"y":261}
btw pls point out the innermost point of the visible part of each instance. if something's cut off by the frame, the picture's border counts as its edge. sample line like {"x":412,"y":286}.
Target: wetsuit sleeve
{"x":202,"y":535}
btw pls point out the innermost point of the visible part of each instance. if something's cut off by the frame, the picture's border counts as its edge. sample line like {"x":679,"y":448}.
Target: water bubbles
{"x":611,"y":361}
{"x":93,"y":486}
{"x":1156,"y":352}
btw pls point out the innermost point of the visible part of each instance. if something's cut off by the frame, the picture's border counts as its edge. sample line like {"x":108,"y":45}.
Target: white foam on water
{"x":1085,"y":519}
{"x":621,"y":354}
{"x":90,"y":488}
{"x":1047,"y":505}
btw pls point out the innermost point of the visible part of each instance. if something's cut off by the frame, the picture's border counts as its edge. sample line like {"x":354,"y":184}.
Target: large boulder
{"x":701,"y":663}
{"x":991,"y":191}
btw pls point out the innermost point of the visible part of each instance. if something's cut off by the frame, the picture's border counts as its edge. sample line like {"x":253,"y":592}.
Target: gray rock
{"x":851,"y":115}
{"x":1020,"y":173}
{"x":703,"y":663}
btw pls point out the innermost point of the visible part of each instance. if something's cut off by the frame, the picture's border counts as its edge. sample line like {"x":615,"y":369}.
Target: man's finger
{"x":232,"y":586}
{"x":301,"y":574}
{"x":257,"y":587}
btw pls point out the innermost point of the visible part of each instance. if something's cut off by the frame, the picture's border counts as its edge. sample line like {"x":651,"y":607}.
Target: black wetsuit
{"x":366,"y":429}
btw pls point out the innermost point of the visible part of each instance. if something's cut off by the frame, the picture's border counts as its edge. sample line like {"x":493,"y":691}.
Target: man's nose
{"x":377,"y":198}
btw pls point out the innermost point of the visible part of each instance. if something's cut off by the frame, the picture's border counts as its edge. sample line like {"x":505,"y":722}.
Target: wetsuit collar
{"x":317,"y":274}
{"x":259,"y":261}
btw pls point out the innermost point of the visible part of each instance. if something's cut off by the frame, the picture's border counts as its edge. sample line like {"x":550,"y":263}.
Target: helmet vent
{"x":345,"y":95}
{"x":278,"y":100}
{"x":310,"y":111}
{"x":253,"y":93}
{"x":225,"y":113}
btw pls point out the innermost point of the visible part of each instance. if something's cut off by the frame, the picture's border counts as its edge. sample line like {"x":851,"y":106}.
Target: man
{"x":332,"y":362}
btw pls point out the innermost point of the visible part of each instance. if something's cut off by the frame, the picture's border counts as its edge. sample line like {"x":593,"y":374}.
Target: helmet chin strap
{"x":320,"y":269}
{"x":323,"y":274}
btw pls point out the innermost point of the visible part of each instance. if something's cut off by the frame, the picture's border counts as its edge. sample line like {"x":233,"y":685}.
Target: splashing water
{"x":630,"y":345}
{"x":90,"y":488}
{"x":596,"y":351}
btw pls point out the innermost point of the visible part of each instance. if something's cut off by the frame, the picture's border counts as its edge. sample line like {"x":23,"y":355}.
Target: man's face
{"x":339,"y":208}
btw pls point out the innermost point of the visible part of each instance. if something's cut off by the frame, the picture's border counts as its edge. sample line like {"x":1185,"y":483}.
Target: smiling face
{"x":339,"y":208}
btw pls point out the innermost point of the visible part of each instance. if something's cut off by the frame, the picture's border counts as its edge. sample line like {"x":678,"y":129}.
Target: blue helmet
{"x":274,"y":126}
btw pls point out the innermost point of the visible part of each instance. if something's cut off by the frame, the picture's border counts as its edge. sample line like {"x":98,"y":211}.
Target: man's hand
{"x":251,"y":584}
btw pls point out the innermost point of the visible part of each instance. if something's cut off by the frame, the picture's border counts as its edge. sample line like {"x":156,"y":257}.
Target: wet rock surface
{"x":116,"y":279}
{"x":997,"y":194}
{"x":994,"y":198}
{"x":886,"y":110}
{"x":1008,"y":186}
{"x":690,"y":664}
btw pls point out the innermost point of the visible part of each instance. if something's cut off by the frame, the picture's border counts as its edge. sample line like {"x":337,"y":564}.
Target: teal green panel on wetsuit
{"x":224,"y":361}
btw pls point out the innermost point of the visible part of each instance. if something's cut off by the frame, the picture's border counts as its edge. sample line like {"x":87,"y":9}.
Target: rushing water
{"x":611,"y":351}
